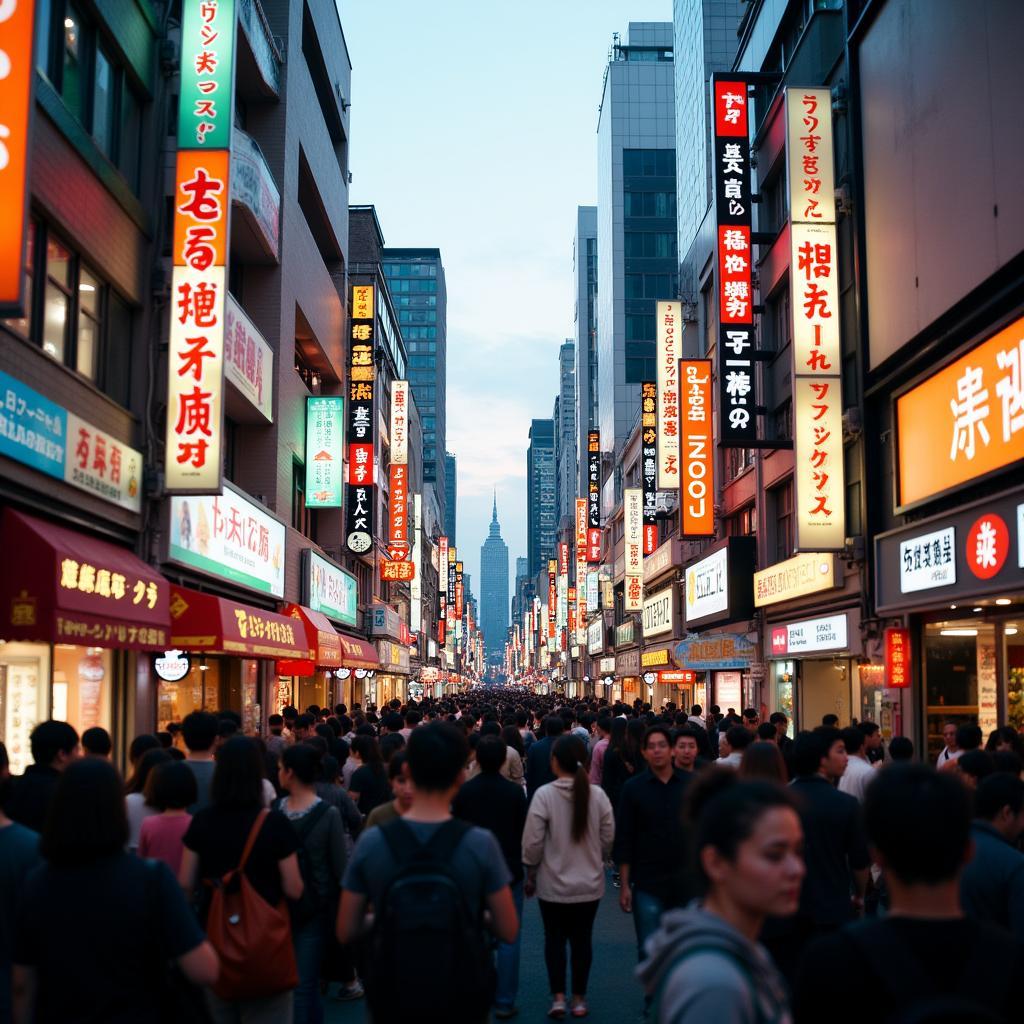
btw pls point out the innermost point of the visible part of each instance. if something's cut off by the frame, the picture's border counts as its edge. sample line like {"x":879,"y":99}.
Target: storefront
{"x":79,"y":615}
{"x":720,"y":664}
{"x":359,"y":664}
{"x":628,"y":685}
{"x":311,"y":680}
{"x":391,"y":682}
{"x":955,"y":582}
{"x":661,"y":626}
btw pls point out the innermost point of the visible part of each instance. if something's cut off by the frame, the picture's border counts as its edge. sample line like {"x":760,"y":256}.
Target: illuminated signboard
{"x":324,"y":445}
{"x":327,"y":588}
{"x":400,"y":422}
{"x":359,"y":490}
{"x":633,"y":499}
{"x":649,"y":472}
{"x":697,"y":489}
{"x":668,"y":329}
{"x":897,"y":658}
{"x":593,"y":496}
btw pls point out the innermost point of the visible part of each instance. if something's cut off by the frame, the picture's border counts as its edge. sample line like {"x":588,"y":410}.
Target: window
{"x":649,"y":163}
{"x":71,"y":69}
{"x":307,"y":371}
{"x":743,"y":523}
{"x":639,"y":327}
{"x":88,"y":348}
{"x":422,"y":362}
{"x":781,"y":510}
{"x":650,"y":204}
{"x":57,"y":301}
{"x":738,"y":461}
{"x":302,"y":518}
{"x":784,"y":420}
{"x":103,"y":98}
{"x":23,"y":324}
{"x":775,"y":324}
{"x":650,"y":244}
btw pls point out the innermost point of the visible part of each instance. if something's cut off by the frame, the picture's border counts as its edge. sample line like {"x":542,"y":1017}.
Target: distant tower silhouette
{"x":494,"y":589}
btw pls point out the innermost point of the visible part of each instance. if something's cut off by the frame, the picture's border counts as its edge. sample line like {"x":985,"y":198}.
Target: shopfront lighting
{"x":1003,"y":601}
{"x":1010,"y":631}
{"x":958,"y":632}
{"x":978,"y":609}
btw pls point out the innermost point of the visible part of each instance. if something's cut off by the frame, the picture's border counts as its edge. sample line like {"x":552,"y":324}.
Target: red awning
{"x":205,"y":622}
{"x":61,"y":586}
{"x":323,"y":642}
{"x":357,"y":653}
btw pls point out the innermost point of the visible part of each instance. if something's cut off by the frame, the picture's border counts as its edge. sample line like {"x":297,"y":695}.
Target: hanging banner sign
{"x":897,"y":658}
{"x":359,"y":492}
{"x":632,"y":498}
{"x":416,"y":588}
{"x":400,"y":422}
{"x":552,"y":597}
{"x":324,"y":444}
{"x":593,"y":496}
{"x":736,"y":378}
{"x":649,"y":463}
{"x":248,"y":360}
{"x":697,"y":489}
{"x":442,"y":589}
{"x":667,"y":430}
{"x":17,"y":62}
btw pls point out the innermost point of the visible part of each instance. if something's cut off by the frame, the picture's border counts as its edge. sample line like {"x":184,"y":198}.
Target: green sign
{"x":324,"y":437}
{"x":327,"y":588}
{"x":205,"y":106}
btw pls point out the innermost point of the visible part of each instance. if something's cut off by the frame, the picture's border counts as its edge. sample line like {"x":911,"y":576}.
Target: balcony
{"x":256,"y":199}
{"x":259,"y":59}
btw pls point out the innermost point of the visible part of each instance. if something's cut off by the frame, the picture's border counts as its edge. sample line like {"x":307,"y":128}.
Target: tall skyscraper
{"x":565,"y":433}
{"x":540,"y":495}
{"x":494,"y":590}
{"x":584,"y":272}
{"x":417,"y":284}
{"x":451,"y":491}
{"x":636,"y":214}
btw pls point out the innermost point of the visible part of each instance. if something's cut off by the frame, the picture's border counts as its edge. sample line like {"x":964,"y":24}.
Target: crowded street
{"x":511,"y":511}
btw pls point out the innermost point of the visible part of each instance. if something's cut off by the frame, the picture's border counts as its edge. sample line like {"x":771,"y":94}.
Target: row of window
{"x":652,"y":244}
{"x":401,"y":284}
{"x":650,"y":204}
{"x":640,"y":327}
{"x":417,"y":316}
{"x":73,"y":314}
{"x":422,"y":362}
{"x":415,"y":301}
{"x":649,"y":163}
{"x":412,"y":333}
{"x":410,"y":270}
{"x":651,"y":286}
{"x":422,"y":346}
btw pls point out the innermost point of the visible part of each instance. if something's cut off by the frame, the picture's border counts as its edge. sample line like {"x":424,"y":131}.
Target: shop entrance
{"x":825,"y":690}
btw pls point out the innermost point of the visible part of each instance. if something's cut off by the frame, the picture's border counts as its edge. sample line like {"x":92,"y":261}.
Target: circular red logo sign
{"x":988,"y":544}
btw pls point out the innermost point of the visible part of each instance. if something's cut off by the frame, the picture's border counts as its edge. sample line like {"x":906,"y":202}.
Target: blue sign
{"x":702,"y":652}
{"x":33,"y":430}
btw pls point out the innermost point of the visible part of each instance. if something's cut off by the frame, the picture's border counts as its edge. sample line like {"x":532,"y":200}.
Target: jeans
{"x":569,"y":924}
{"x":647,"y":911}
{"x":309,"y":948}
{"x":266,"y":1010}
{"x":507,"y":959}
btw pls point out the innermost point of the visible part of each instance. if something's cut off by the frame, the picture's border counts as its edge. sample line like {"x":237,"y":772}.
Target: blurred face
{"x":765,"y":876}
{"x":874,"y":741}
{"x":657,"y":752}
{"x":752,"y":723}
{"x":781,"y":727}
{"x":835,"y":763}
{"x":685,"y":753}
{"x":402,"y":787}
{"x":724,"y":750}
{"x":949,"y":736}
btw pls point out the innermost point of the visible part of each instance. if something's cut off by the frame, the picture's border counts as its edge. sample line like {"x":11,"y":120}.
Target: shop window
{"x":214,"y":683}
{"x":71,"y":68}
{"x":23,"y":324}
{"x":780,"y":512}
{"x":302,"y":517}
{"x":57,"y":300}
{"x":738,"y":460}
{"x":743,"y":523}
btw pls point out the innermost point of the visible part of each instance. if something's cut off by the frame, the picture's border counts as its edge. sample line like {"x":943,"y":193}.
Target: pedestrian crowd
{"x":386,"y":854}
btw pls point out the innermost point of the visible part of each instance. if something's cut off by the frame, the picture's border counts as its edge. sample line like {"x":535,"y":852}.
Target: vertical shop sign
{"x":202,"y":203}
{"x":594,"y":496}
{"x":817,"y":382}
{"x":400,"y":422}
{"x":668,"y":328}
{"x":458,"y":591}
{"x":16,"y":77}
{"x":442,"y":587}
{"x":552,"y":597}
{"x":581,"y":569}
{"x":897,"y":658}
{"x":697,"y":488}
{"x":633,"y":500}
{"x":416,"y":584}
{"x":359,"y":493}
{"x":736,"y":377}
{"x":650,"y":436}
{"x":324,"y":450}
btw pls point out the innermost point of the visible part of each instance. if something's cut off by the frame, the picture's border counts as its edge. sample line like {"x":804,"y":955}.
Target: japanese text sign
{"x":328,"y":589}
{"x":897,"y":658}
{"x":593,"y":496}
{"x":324,"y":449}
{"x":809,"y":150}
{"x":205,"y":106}
{"x":632,"y":505}
{"x":649,"y":436}
{"x":669,"y":326}
{"x":697,"y":493}
{"x":965,"y":421}
{"x":16,"y":77}
{"x":818,"y":433}
{"x":359,"y":497}
{"x":248,"y":360}
{"x":400,"y":422}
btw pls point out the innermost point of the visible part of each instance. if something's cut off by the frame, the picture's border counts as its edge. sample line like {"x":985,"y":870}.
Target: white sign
{"x":595,"y":636}
{"x":988,"y":690}
{"x":633,"y":503}
{"x":828,"y":634}
{"x":669,"y":328}
{"x":248,"y":360}
{"x":416,"y":583}
{"x":728,"y":689}
{"x":809,"y":156}
{"x":658,"y":612}
{"x":928,"y":561}
{"x":228,"y":536}
{"x":172,"y":666}
{"x":102,"y":465}
{"x":592,"y":590}
{"x":707,"y":586}
{"x":400,"y":422}
{"x":606,"y":665}
{"x":332,"y":591}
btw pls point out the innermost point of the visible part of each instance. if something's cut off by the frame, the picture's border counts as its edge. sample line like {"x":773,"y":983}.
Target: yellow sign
{"x":362,"y":302}
{"x":654,"y":658}
{"x":804,"y":574}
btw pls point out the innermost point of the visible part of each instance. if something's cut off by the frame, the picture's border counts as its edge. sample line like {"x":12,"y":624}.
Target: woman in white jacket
{"x":569,"y":833}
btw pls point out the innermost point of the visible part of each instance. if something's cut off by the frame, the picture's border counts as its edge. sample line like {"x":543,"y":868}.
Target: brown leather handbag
{"x":252,"y":938}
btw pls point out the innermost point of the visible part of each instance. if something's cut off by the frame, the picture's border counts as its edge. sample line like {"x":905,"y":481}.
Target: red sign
{"x":780,"y":640}
{"x":650,"y":538}
{"x":360,"y":464}
{"x":594,"y":544}
{"x":897,"y":658}
{"x":682,"y":677}
{"x":697,"y":448}
{"x":398,"y":500}
{"x":731,"y":108}
{"x":988,"y":544}
{"x":395,"y":571}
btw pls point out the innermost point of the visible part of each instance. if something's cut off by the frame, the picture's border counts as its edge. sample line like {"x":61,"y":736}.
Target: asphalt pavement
{"x":614,"y":995}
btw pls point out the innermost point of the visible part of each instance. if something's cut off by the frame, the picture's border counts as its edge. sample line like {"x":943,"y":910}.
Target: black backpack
{"x":308,"y":906}
{"x":425,"y":928}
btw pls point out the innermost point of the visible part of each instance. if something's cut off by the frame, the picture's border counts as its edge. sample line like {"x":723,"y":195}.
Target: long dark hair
{"x":617,"y":738}
{"x":238,"y":777}
{"x":764,"y":760}
{"x":145,"y":764}
{"x":510,"y":734}
{"x":571,"y":755}
{"x":369,"y":750}
{"x":632,"y":750}
{"x":86,"y":820}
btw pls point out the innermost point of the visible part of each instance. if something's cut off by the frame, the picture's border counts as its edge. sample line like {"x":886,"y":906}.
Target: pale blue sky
{"x":474,"y":130}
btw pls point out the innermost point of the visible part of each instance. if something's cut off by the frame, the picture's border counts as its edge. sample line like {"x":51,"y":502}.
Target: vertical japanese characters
{"x":650,"y":437}
{"x":581,"y":570}
{"x":359,"y":491}
{"x":814,"y":305}
{"x":632,"y":502}
{"x":398,"y":565}
{"x":737,"y":402}
{"x":324,"y":450}
{"x":668,"y":395}
{"x":697,"y":488}
{"x":202,"y":205}
{"x":593,"y":496}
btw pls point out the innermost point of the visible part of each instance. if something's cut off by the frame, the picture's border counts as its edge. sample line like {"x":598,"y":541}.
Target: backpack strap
{"x":405,"y":845}
{"x":254,"y":832}
{"x":304,"y":826}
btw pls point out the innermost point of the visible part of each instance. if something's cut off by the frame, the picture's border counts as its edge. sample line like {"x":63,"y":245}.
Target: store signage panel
{"x":666,"y":430}
{"x":207,"y":83}
{"x":328,"y":589}
{"x":625,"y":633}
{"x":360,"y":435}
{"x":819,"y":495}
{"x":810,"y":636}
{"x":718,"y":585}
{"x":803,"y":574}
{"x":897,"y":658}
{"x":809,"y":149}
{"x":697,"y":487}
{"x":632,"y":498}
{"x":248,"y":360}
{"x":399,"y":422}
{"x":649,"y":448}
{"x":230,"y":537}
{"x":324,"y":450}
{"x":595,"y":636}
{"x":733,"y":268}
{"x":985,"y":544}
{"x":659,"y":613}
{"x":172,"y":666}
{"x":627,"y":663}
{"x":964,"y":422}
{"x":17,"y":72}
{"x":706,"y":652}
{"x":663,"y":559}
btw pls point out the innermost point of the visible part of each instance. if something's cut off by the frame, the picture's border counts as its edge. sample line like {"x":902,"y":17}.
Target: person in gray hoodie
{"x":705,"y":962}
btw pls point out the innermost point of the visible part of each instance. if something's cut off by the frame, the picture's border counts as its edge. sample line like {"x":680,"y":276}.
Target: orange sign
{"x":697,"y":487}
{"x":201,"y":200}
{"x":897,"y":658}
{"x":965,"y":421}
{"x":16,"y":63}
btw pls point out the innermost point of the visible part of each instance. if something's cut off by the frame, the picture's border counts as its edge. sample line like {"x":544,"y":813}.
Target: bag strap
{"x":404,"y":844}
{"x":309,"y":821}
{"x":254,"y":832}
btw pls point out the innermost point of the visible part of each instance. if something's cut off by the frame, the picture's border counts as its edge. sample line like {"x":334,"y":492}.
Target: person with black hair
{"x":765,"y":733}
{"x":830,"y":721}
{"x":136,"y":805}
{"x":972,"y":766}
{"x":136,"y":916}
{"x":873,"y":749}
{"x":538,"y":756}
{"x":96,"y":742}
{"x":368,"y":786}
{"x":304,"y":727}
{"x":54,"y":746}
{"x":170,"y":789}
{"x":763,"y":760}
{"x":924,"y":961}
{"x":199,"y":730}
{"x":858,"y":773}
{"x":901,"y":749}
{"x":276,"y":743}
{"x":401,"y":788}
{"x":686,"y":749}
{"x":731,"y":745}
{"x":705,"y":963}
{"x":569,"y":832}
{"x":992,"y":884}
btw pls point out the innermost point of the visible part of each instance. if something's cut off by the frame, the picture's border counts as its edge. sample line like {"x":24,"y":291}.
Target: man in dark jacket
{"x":538,"y":758}
{"x":492,"y":802}
{"x":54,"y":746}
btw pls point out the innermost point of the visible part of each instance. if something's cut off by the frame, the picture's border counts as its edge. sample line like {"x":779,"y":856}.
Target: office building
{"x":565,"y":433}
{"x":636,"y":204}
{"x":584,"y":273}
{"x":494,"y":596}
{"x":417,"y":283}
{"x":541,"y":498}
{"x":451,"y":491}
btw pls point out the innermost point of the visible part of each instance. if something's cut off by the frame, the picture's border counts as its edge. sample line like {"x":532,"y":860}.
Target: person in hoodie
{"x":705,"y":962}
{"x":568,"y":834}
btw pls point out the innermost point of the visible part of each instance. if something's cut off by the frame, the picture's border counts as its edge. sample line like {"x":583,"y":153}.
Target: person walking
{"x":859,"y":771}
{"x":199,"y":730}
{"x":498,"y":804}
{"x":54,"y":746}
{"x":603,"y":733}
{"x":763,"y":760}
{"x":538,"y":756}
{"x":569,"y":832}
{"x":170,"y":789}
{"x":704,"y":963}
{"x":368,"y":785}
{"x":137,"y":806}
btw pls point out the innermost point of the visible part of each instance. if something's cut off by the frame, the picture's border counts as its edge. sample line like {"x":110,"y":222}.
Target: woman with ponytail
{"x":569,"y":833}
